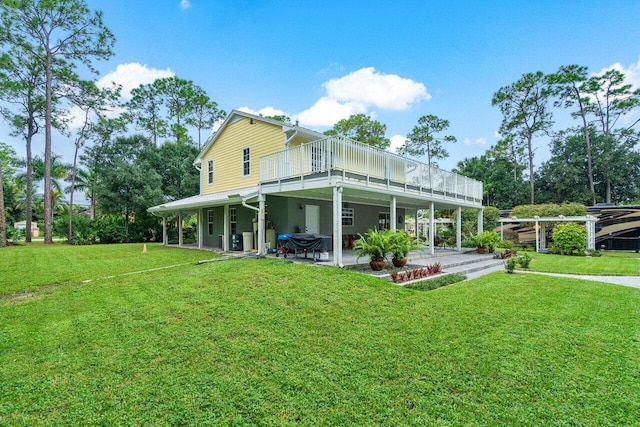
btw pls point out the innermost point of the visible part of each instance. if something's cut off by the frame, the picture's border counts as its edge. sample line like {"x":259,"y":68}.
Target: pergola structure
{"x":540,"y":227}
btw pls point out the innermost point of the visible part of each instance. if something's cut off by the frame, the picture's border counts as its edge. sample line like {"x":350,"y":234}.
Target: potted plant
{"x":486,"y":241}
{"x":375,"y":245}
{"x":400,"y":244}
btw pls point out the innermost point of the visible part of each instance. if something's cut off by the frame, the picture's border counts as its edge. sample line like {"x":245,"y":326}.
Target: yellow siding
{"x":226,"y":153}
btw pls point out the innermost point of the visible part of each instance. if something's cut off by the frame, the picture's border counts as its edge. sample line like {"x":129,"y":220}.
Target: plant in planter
{"x":375,"y":245}
{"x":400,"y":244}
{"x":486,"y":241}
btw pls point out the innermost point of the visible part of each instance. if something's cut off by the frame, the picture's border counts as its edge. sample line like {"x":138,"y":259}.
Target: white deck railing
{"x":352,"y":160}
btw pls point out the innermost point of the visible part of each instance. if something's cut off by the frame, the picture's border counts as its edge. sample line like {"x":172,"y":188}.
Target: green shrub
{"x":510,"y":264}
{"x":524,"y":260}
{"x":84,"y":229}
{"x":468,"y":242}
{"x":505,"y":244}
{"x":111,"y":229}
{"x":438,"y":282}
{"x":569,"y":239}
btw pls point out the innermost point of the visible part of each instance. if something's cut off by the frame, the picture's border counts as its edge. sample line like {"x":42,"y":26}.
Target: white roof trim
{"x":206,"y":200}
{"x":236,"y":114}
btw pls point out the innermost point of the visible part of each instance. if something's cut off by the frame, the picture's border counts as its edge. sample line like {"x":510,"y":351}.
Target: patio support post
{"x":225,"y":234}
{"x":480,"y":224}
{"x":432,"y":228}
{"x":200,"y":223}
{"x":337,"y":227}
{"x":416,"y":224}
{"x":261,"y":225}
{"x":501,"y":229}
{"x":459,"y":229}
{"x":543,"y":236}
{"x":393,"y":217}
{"x":591,"y":232}
{"x":537,"y":236}
{"x":164,"y":230}
{"x":180,"y":237}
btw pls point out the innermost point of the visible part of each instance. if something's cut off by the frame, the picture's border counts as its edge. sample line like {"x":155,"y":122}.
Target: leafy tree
{"x":361,"y":128}
{"x":22,"y":86}
{"x":569,"y":239}
{"x":7,"y":163}
{"x":56,"y":35}
{"x":611,"y":98}
{"x":422,"y":139}
{"x":525,"y":114}
{"x":91,"y":101}
{"x":281,"y":118}
{"x":562,"y":177}
{"x":568,"y":85}
{"x":58,"y":172}
{"x":174,"y":163}
{"x":129,"y":184}
{"x":145,"y":108}
{"x":204,"y":115}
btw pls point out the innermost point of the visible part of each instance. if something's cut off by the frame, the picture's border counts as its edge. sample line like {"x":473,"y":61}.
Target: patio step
{"x":481,"y":265}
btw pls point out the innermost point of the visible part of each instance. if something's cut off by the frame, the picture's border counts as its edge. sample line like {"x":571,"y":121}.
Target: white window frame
{"x":210,"y":221}
{"x":210,"y":172}
{"x":233,"y":220}
{"x":246,"y":162}
{"x":348,"y":217}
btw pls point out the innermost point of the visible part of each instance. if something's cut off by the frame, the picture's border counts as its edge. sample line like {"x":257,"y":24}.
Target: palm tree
{"x":85,"y":181}
{"x":59,"y":171}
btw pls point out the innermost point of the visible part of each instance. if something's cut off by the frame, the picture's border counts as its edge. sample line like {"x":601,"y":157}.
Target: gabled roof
{"x":235,"y":115}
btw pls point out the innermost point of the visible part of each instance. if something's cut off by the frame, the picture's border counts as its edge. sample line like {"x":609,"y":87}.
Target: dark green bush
{"x":84,"y":229}
{"x":111,"y":229}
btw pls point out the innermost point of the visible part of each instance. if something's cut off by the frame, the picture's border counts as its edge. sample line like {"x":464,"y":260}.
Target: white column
{"x":337,"y":226}
{"x":164,"y":231}
{"x":226,"y":224}
{"x":537,"y":236}
{"x":416,"y":223}
{"x":432,"y":228}
{"x":393,"y":218}
{"x":591,"y":233}
{"x":480,"y":224}
{"x":261,"y":225}
{"x":543,"y":236}
{"x":199,"y":225}
{"x":459,"y":229}
{"x":501,"y":229}
{"x":180,"y":236}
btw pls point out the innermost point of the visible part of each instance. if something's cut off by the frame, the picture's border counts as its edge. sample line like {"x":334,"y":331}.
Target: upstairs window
{"x":210,"y":171}
{"x":246,"y":161}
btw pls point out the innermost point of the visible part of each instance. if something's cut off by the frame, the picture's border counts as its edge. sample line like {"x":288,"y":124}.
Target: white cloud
{"x":358,"y":92}
{"x":397,"y":141}
{"x":371,"y":88}
{"x":327,"y":111}
{"x":481,"y":141}
{"x":497,"y":134}
{"x":132,"y":75}
{"x":185,"y":4}
{"x":467,"y":141}
{"x":266,"y":111}
{"x":632,"y":72}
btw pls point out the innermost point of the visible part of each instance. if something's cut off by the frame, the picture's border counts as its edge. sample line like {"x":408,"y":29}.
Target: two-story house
{"x":276,"y":177}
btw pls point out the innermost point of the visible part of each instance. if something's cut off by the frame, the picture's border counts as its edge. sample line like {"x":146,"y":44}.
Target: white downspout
{"x":261,"y":224}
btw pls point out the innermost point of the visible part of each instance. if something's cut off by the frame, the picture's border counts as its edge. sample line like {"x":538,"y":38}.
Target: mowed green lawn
{"x":609,"y":264}
{"x":270,"y":342}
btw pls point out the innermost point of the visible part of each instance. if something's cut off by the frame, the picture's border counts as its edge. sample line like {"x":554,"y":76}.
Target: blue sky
{"x":394,"y":60}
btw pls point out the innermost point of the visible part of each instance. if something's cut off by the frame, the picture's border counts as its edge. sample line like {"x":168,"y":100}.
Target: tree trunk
{"x":29,"y":190}
{"x":48,"y":211}
{"x":587,"y":139}
{"x":73,"y":184}
{"x":608,"y":191}
{"x":3,"y":225}
{"x":531,"y":177}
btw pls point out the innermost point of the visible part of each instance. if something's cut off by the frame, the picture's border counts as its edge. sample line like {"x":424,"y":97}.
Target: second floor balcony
{"x":347,"y":160}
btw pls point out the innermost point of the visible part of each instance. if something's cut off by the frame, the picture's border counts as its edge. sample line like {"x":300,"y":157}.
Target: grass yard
{"x":609,"y":264}
{"x":270,"y":342}
{"x":27,"y":267}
